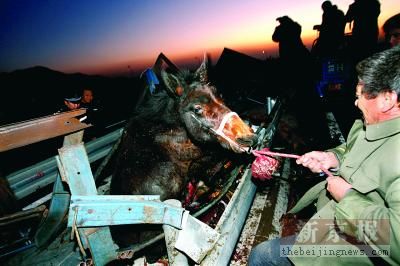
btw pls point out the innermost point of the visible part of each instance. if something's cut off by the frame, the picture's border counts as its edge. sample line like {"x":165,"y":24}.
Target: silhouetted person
{"x":363,"y":18}
{"x":295,"y":58}
{"x":293,"y":55}
{"x":297,"y":72}
{"x":288,"y":35}
{"x":391,"y":28}
{"x":331,"y":30}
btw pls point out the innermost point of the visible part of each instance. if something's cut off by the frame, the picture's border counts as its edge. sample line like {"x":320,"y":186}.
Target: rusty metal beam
{"x":27,"y":132}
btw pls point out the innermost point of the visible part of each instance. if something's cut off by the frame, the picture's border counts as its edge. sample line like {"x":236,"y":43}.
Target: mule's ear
{"x":172,"y":84}
{"x":201,"y":72}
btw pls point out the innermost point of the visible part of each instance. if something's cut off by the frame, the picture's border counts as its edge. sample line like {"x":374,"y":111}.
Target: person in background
{"x":391,"y":28}
{"x":362,"y":16}
{"x":87,"y":98}
{"x":296,"y":62}
{"x":93,"y":113}
{"x":294,"y":57}
{"x":71,"y":103}
{"x":288,"y":35}
{"x":358,"y":203}
{"x":86,"y":101}
{"x":331,"y":30}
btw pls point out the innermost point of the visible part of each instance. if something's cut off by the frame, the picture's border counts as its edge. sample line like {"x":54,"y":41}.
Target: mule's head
{"x":204,"y":114}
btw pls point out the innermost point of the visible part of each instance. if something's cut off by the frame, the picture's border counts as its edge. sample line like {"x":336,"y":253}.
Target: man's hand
{"x":338,"y":187}
{"x":316,"y":161}
{"x":71,"y":105}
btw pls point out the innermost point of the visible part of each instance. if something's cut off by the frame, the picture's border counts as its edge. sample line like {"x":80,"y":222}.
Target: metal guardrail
{"x":232,"y":220}
{"x":31,"y":131}
{"x":26,"y":181}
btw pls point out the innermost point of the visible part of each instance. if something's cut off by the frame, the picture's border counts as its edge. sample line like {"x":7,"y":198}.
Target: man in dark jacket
{"x":363,"y":18}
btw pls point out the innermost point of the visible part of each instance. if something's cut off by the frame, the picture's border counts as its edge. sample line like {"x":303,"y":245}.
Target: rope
{"x":284,"y":155}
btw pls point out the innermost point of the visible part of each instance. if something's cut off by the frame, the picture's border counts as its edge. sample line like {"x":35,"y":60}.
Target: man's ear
{"x":388,"y":101}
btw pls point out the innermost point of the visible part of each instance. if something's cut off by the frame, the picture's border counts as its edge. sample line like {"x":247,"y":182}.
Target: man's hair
{"x":326,"y":5}
{"x":284,"y":19}
{"x":381,"y":72}
{"x":391,"y":23}
{"x":87,"y":89}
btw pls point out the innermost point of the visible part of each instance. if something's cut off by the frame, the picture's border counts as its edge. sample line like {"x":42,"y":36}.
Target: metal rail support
{"x":74,"y":167}
{"x":24,"y":133}
{"x":91,"y":214}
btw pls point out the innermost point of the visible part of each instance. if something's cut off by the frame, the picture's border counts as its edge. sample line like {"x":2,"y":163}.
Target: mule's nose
{"x":248,"y":140}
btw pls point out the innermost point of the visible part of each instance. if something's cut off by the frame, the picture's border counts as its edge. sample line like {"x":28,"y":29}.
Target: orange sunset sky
{"x":104,"y":37}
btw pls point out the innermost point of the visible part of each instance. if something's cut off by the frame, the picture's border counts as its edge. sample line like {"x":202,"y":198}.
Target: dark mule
{"x":172,"y":131}
{"x":177,"y":135}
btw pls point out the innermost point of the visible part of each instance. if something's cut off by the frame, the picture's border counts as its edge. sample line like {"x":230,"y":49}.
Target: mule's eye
{"x":197,"y":109}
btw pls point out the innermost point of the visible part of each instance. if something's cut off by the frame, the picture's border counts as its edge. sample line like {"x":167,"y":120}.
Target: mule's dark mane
{"x":159,"y":107}
{"x":162,"y":107}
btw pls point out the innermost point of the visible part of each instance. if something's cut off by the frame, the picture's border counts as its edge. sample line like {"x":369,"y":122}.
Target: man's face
{"x":87,"y":96}
{"x":368,"y":107}
{"x":394,"y":37}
